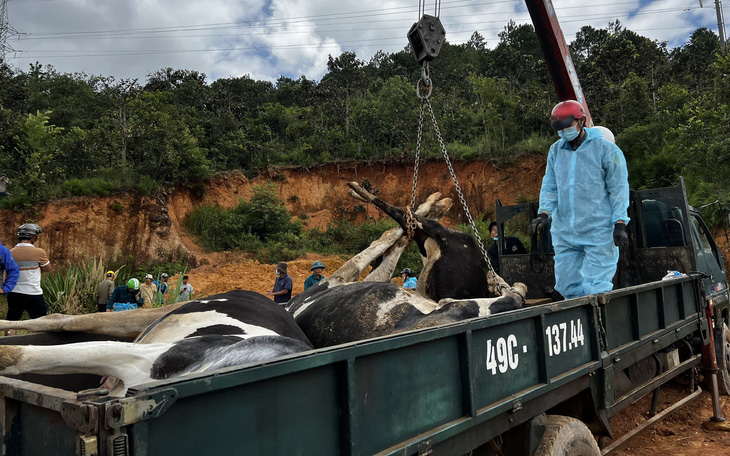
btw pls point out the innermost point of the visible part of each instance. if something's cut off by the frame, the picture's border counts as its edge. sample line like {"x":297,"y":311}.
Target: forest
{"x":80,"y":134}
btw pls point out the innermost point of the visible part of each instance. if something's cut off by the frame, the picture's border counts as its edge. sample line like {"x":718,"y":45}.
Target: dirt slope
{"x":149,"y":228}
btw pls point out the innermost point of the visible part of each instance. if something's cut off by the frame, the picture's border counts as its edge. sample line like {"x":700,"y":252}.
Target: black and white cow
{"x":452,"y":286}
{"x":224,"y":330}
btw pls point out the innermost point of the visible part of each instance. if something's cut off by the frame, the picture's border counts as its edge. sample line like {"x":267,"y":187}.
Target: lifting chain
{"x":411,"y":223}
{"x":425,"y":83}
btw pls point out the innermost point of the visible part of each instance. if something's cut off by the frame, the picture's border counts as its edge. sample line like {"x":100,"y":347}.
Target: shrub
{"x":146,"y":185}
{"x":73,"y":291}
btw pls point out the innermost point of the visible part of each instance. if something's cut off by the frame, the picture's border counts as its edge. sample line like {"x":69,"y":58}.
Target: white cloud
{"x":269,"y":38}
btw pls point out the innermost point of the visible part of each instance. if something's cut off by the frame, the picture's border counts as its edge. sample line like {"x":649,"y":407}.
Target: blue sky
{"x":269,"y":38}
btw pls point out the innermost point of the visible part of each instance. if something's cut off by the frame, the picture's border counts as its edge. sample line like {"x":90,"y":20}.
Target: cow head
{"x":452,"y":264}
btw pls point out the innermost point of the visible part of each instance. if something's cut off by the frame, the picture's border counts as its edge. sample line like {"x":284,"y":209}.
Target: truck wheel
{"x":722,"y":350}
{"x":566,"y":436}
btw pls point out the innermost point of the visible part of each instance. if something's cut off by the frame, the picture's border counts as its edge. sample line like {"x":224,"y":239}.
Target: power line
{"x":363,"y":43}
{"x":285,"y":21}
{"x":115,"y":34}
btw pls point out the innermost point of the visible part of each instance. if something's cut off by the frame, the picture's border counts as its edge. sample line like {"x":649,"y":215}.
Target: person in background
{"x":125,"y":297}
{"x":9,"y":271}
{"x":149,"y":290}
{"x":27,"y":294}
{"x":511,"y":246}
{"x":186,"y":290}
{"x":162,"y":287}
{"x":106,"y":288}
{"x":282,"y":285}
{"x":317,"y":269}
{"x":409,"y":281}
{"x":4,"y":182}
{"x":585,"y":191}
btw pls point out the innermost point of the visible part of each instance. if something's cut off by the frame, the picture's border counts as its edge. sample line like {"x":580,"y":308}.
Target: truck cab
{"x":666,"y":236}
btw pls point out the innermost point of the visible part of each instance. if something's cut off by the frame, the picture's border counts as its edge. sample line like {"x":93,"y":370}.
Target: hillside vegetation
{"x":77,"y":134}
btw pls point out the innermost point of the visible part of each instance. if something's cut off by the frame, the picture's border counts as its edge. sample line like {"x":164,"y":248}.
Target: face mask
{"x":568,"y":134}
{"x":496,"y":239}
{"x":276,"y":273}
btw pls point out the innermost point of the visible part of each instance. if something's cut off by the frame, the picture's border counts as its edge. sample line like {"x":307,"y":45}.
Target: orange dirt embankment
{"x":150,"y":227}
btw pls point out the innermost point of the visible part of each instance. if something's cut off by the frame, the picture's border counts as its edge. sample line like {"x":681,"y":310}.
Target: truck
{"x":496,"y":385}
{"x":542,"y":380}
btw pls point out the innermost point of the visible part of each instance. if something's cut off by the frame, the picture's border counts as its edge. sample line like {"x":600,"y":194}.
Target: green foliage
{"x":37,"y":145}
{"x":74,"y":290}
{"x":73,"y":134}
{"x":88,"y":187}
{"x":252,"y":225}
{"x":146,"y":185}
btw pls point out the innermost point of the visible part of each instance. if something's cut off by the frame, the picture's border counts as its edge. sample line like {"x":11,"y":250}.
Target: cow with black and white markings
{"x":224,"y":330}
{"x":452,"y":286}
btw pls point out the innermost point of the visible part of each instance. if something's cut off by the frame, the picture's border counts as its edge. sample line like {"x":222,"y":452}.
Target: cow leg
{"x":432,"y":208}
{"x":395,"y":213}
{"x":129,"y":362}
{"x":511,"y":298}
{"x":350,"y":271}
{"x":385,"y":269}
{"x":119,"y":324}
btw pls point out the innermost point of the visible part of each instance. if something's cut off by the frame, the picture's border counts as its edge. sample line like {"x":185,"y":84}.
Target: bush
{"x":250,"y":226}
{"x":73,"y":291}
{"x":88,"y":187}
{"x":146,"y":185}
{"x":18,"y":201}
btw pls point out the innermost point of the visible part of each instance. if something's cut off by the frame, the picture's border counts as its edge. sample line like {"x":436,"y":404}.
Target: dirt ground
{"x":679,"y":434}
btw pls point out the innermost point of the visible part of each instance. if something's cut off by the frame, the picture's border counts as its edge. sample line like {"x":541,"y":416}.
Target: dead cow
{"x":224,"y":330}
{"x":452,"y":286}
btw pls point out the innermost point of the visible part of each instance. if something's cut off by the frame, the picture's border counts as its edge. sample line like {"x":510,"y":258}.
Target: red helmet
{"x":565,"y":112}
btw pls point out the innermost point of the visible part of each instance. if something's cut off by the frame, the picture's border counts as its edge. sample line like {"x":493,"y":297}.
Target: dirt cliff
{"x":150,"y":227}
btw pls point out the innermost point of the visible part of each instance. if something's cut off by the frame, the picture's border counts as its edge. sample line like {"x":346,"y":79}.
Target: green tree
{"x":161,"y":145}
{"x":37,"y":146}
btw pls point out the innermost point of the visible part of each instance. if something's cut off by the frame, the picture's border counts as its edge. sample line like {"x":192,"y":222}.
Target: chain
{"x":426,"y":84}
{"x":411,"y":223}
{"x":458,"y":188}
{"x":418,"y":155}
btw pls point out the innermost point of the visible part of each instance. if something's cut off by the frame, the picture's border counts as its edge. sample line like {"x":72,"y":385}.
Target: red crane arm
{"x":556,"y":52}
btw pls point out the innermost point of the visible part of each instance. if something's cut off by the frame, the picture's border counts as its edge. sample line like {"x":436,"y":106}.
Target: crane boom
{"x":556,"y":52}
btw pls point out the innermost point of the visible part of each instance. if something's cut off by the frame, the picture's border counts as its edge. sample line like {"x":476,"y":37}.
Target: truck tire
{"x":722,"y":350}
{"x":566,"y":436}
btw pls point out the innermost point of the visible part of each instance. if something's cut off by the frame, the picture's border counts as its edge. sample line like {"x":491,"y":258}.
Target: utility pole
{"x":6,"y":31}
{"x":720,"y":21}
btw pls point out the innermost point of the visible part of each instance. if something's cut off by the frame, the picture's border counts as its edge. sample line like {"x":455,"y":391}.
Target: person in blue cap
{"x":585,"y":191}
{"x":10,"y":267}
{"x":409,"y":280}
{"x":317,"y":269}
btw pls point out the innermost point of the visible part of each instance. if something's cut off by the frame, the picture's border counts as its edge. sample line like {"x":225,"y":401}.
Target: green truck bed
{"x":443,"y":390}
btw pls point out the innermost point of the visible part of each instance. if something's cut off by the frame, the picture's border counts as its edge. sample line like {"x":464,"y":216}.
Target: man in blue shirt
{"x":9,"y":266}
{"x":409,"y":281}
{"x":317,"y":269}
{"x":282,"y":286}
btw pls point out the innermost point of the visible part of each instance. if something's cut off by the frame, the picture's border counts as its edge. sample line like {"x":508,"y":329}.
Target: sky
{"x":266,"y":39}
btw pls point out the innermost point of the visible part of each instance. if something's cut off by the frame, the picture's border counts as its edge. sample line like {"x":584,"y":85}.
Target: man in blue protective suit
{"x":585,"y":192}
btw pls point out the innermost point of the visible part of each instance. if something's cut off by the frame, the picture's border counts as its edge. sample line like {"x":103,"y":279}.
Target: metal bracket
{"x":424,"y":448}
{"x":82,"y":417}
{"x":139,"y":408}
